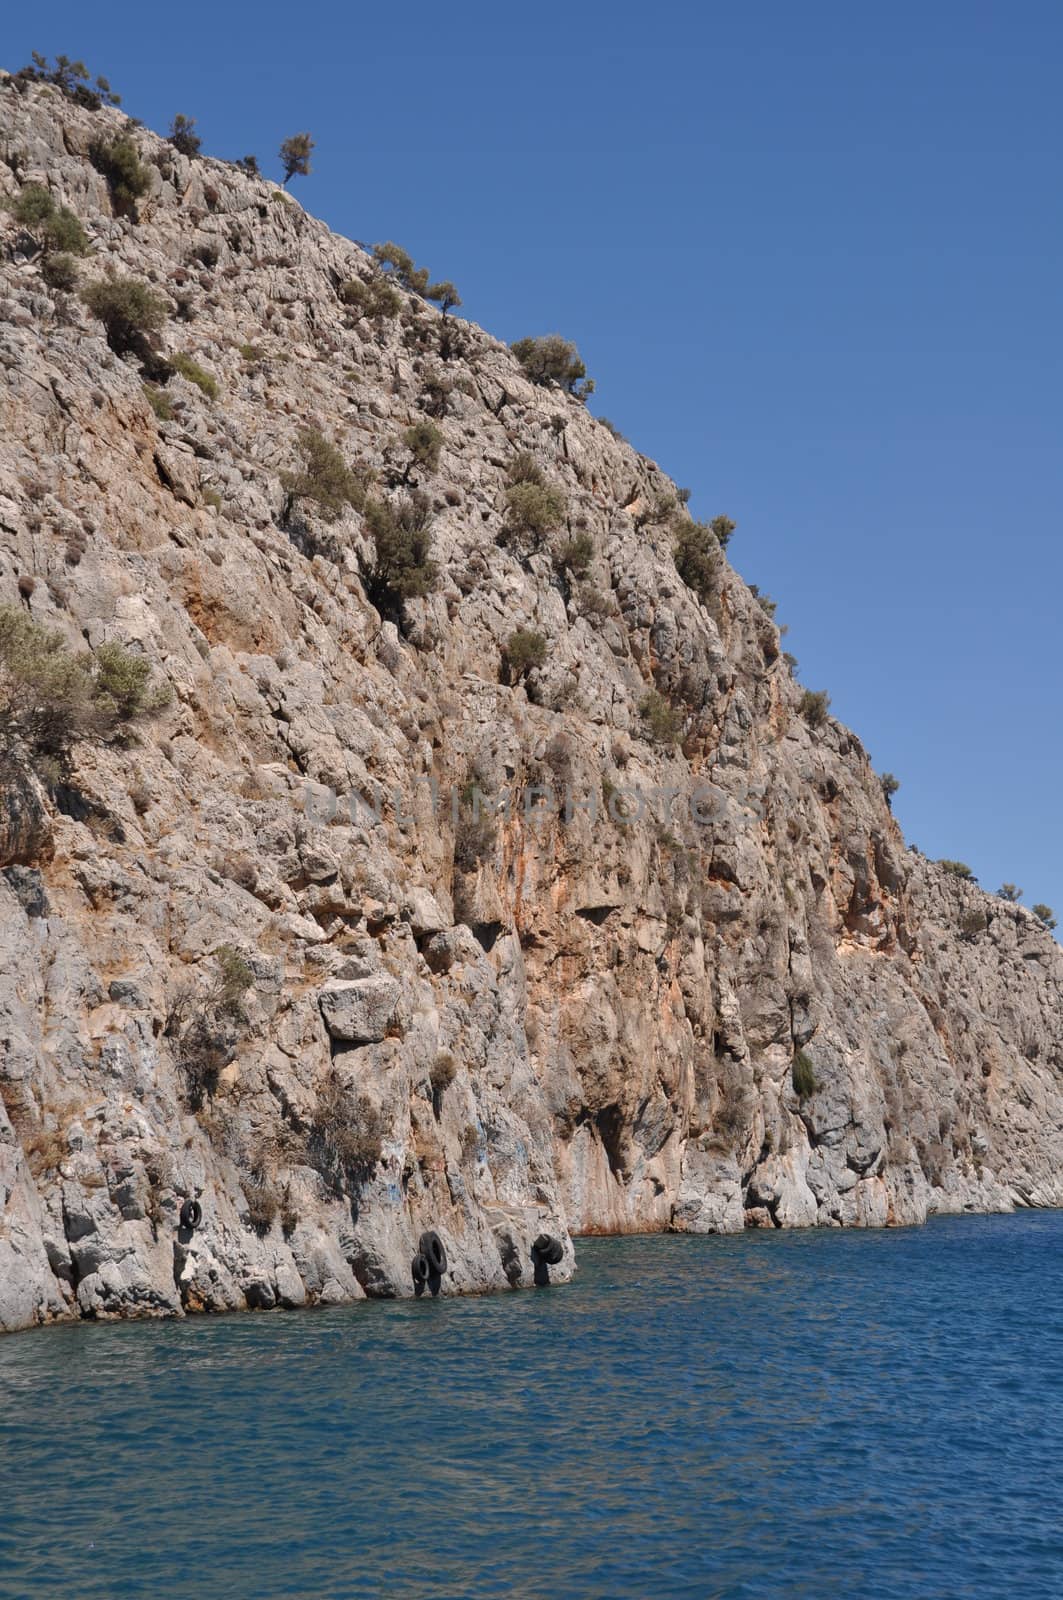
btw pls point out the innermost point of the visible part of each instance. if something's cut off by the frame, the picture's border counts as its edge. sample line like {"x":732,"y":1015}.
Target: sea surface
{"x":778,"y":1414}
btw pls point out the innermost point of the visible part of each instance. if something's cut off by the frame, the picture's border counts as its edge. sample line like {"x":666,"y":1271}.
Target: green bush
{"x":58,"y":228}
{"x":551,"y":359}
{"x":392,"y":258}
{"x":815,"y":707}
{"x":192,"y":372}
{"x":697,"y":558}
{"x":72,"y":79}
{"x":575,"y":555}
{"x":401,"y":567}
{"x":424,"y":442}
{"x":523,"y":651}
{"x":890,"y":785}
{"x":1044,"y":914}
{"x":444,"y":294}
{"x":127,"y":176}
{"x":128,"y":309}
{"x":325,"y":478}
{"x":803,"y":1076}
{"x":295,"y":156}
{"x":957,"y":869}
{"x":723,"y":528}
{"x":664,"y":722}
{"x":60,"y":272}
{"x":533,"y":510}
{"x":523,"y":468}
{"x":376,"y":300}
{"x":52,"y":697}
{"x":122,"y":689}
{"x":183,"y":135}
{"x":63,"y":232}
{"x":32,"y":205}
{"x":1009,"y":892}
{"x":249,"y":166}
{"x":159,"y":401}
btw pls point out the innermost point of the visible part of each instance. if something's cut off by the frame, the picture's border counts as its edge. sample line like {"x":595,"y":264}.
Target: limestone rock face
{"x":514,"y":961}
{"x":359,"y":1011}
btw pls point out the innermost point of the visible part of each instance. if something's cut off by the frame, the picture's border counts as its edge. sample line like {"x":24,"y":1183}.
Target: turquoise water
{"x":813,"y":1415}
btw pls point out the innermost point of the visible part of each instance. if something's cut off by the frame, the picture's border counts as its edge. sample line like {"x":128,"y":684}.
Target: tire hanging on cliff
{"x":419,"y":1268}
{"x":548,"y":1250}
{"x":431,"y":1247}
{"x":191,"y":1215}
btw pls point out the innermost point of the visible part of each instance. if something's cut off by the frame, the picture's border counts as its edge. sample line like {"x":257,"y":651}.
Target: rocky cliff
{"x":270,"y":951}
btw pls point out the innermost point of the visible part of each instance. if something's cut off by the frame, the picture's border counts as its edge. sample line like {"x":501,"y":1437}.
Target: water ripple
{"x":799,"y":1415}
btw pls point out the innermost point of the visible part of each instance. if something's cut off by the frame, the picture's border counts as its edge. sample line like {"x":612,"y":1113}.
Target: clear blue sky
{"x":812,"y":256}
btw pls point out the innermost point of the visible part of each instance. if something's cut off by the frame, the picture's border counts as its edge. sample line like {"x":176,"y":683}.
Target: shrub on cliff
{"x":130,"y":312}
{"x":60,"y":272}
{"x":957,"y":869}
{"x":32,"y":206}
{"x":127,"y":176}
{"x":401,"y":567}
{"x":393,"y":259}
{"x":444,"y":294}
{"x":475,"y":834}
{"x":56,"y":226}
{"x":575,"y":555}
{"x":524,"y":650}
{"x":723,"y":528}
{"x":63,"y":232}
{"x":1044,"y":915}
{"x":890,"y":785}
{"x":444,"y":1071}
{"x":249,"y":166}
{"x":552,"y":360}
{"x":205,"y":1024}
{"x":375,"y":299}
{"x":697,"y":557}
{"x":71,"y":78}
{"x":325,"y":478}
{"x":664,"y":722}
{"x":814,"y":706}
{"x":192,"y":372}
{"x":295,"y":156}
{"x":424,"y":442}
{"x":533,"y":510}
{"x":51,"y":697}
{"x":1009,"y":892}
{"x":803,"y":1076}
{"x":183,"y":135}
{"x":346,"y":1136}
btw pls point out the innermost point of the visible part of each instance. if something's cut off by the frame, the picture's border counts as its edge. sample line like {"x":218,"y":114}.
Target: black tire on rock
{"x":431,"y":1247}
{"x":419,"y":1267}
{"x":191,"y":1215}
{"x":548,"y":1249}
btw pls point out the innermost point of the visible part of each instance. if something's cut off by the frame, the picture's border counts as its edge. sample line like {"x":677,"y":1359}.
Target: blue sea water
{"x":784,"y":1414}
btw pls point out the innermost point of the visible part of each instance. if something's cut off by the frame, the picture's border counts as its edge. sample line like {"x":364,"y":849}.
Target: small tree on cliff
{"x":183,"y":135}
{"x":295,"y":157}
